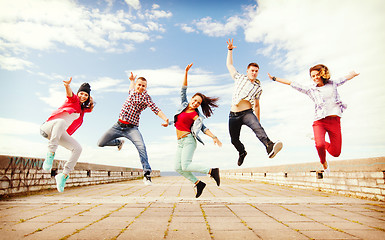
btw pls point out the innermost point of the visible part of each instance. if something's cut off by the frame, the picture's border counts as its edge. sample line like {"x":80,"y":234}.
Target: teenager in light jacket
{"x":189,"y":122}
{"x":62,"y":124}
{"x":328,"y":109}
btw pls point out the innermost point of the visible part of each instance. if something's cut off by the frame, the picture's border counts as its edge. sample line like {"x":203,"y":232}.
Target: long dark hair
{"x":208,"y":103}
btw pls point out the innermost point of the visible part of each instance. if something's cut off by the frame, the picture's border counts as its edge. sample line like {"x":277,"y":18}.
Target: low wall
{"x":360,"y":177}
{"x":24,"y":174}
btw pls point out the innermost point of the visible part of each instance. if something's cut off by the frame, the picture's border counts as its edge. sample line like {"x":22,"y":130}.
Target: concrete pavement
{"x":169,"y":210}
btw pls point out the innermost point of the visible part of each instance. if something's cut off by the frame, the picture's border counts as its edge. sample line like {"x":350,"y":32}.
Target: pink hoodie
{"x":71,"y":105}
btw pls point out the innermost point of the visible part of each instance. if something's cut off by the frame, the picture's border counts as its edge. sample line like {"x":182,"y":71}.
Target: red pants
{"x":332,"y":126}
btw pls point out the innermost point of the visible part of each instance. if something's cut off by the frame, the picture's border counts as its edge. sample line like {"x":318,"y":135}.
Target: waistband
{"x":183,"y":136}
{"x":125,"y":125}
{"x":235,"y":114}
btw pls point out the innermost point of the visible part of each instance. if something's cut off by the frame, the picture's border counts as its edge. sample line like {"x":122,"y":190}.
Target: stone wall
{"x":360,"y":177}
{"x":24,"y":174}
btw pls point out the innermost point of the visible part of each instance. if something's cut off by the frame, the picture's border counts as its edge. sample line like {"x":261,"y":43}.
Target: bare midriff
{"x":242,"y":106}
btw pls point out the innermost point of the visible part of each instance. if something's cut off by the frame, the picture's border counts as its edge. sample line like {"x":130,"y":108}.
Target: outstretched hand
{"x":166,"y":123}
{"x":132,"y":77}
{"x":188,"y":67}
{"x":351,"y":75}
{"x":230,"y":45}
{"x":67,"y":83}
{"x":217,"y":142}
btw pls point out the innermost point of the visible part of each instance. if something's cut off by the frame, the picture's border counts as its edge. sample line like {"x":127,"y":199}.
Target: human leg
{"x":110,"y":137}
{"x":335,"y":136}
{"x":71,"y":144}
{"x":319,"y":138}
{"x":235,"y":125}
{"x":52,"y":130}
{"x":251,"y":120}
{"x":134,"y":135}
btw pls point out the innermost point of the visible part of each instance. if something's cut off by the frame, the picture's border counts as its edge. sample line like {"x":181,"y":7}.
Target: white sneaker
{"x":147,"y":180}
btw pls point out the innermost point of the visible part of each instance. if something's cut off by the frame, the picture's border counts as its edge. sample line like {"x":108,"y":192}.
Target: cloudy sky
{"x":44,"y":42}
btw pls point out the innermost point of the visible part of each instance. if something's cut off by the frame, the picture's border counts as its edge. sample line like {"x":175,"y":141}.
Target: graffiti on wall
{"x":22,"y":172}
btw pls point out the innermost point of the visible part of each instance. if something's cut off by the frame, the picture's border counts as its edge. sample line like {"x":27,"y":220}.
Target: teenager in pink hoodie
{"x":62,"y":124}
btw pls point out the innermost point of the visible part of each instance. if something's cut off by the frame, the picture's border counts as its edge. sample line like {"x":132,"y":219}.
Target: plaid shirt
{"x":245,"y":89}
{"x":134,"y":105}
{"x":315,"y":94}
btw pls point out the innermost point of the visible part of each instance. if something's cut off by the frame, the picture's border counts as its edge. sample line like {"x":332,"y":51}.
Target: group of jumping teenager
{"x":188,"y":120}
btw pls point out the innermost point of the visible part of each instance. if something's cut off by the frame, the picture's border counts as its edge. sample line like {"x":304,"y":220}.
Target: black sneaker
{"x":241,"y":158}
{"x":200,"y":186}
{"x":273,"y":148}
{"x":147,"y":178}
{"x":215,"y":174}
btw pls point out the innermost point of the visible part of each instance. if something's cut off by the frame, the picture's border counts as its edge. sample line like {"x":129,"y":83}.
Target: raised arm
{"x":132,"y":79}
{"x":229,"y":61}
{"x":351,"y":75}
{"x":68,"y":88}
{"x":186,"y":73}
{"x":281,"y":80}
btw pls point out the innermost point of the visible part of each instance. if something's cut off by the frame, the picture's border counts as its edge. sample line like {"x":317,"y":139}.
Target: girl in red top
{"x":62,"y":124}
{"x":189,"y":123}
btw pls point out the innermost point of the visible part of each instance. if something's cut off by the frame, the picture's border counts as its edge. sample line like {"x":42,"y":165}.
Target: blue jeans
{"x":183,"y":159}
{"x":248,"y":118}
{"x":132,"y":134}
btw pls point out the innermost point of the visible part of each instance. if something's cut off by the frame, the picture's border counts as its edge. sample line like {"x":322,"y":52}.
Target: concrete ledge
{"x":24,"y":174}
{"x":360,"y":177}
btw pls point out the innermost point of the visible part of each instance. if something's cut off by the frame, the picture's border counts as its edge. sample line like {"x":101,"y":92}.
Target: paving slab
{"x":169,"y":210}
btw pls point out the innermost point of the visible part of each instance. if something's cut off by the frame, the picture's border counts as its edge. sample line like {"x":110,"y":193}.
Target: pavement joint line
{"x":378,"y":228}
{"x":334,"y":228}
{"x":104,"y":217}
{"x":119,"y":191}
{"x":242,"y":221}
{"x":27,"y":210}
{"x":207,"y":223}
{"x":138,"y":189}
{"x":60,"y":221}
{"x":278,"y":221}
{"x":125,"y":228}
{"x":169,"y":222}
{"x":24,"y":220}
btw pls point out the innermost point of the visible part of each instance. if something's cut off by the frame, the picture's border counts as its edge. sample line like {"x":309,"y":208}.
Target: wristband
{"x":214,"y":137}
{"x":274,"y":78}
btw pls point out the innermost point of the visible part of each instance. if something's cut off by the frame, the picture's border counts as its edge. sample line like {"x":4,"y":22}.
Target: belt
{"x":123,"y":125}
{"x":236,"y":114}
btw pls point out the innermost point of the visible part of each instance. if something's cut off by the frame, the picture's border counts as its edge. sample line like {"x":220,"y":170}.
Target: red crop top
{"x":185,"y":121}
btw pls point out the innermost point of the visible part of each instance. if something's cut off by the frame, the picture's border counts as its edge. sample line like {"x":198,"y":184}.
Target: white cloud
{"x":44,"y":25}
{"x":214,"y":28}
{"x":135,"y":4}
{"x":13,"y":63}
{"x":187,"y":29}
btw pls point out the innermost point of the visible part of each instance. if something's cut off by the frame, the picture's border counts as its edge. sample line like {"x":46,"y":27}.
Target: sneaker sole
{"x":277,"y":147}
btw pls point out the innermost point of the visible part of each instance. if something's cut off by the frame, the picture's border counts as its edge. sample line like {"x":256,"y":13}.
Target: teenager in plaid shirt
{"x":128,"y":123}
{"x":245,"y":108}
{"x":328,"y":109}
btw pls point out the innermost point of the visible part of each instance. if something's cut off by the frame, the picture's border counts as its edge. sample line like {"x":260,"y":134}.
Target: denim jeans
{"x":55,"y":132}
{"x":183,"y":159}
{"x":132,"y":134}
{"x":248,"y":118}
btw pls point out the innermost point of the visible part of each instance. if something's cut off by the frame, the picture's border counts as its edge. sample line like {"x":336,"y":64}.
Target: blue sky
{"x":43,"y":43}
